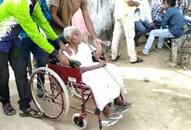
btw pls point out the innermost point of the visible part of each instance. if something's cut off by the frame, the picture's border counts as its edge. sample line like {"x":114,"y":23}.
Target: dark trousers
{"x":28,"y":46}
{"x":14,"y":57}
{"x":41,"y":56}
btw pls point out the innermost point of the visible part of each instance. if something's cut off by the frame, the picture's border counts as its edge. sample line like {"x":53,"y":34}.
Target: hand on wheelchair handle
{"x":63,"y":59}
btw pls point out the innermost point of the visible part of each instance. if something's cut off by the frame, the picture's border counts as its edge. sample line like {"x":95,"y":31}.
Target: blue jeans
{"x":141,"y":27}
{"x":14,"y":57}
{"x":162,"y":34}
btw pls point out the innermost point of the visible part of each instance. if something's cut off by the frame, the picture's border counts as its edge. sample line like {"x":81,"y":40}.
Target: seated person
{"x":172,"y":27}
{"x":103,"y":86}
{"x":143,"y":20}
{"x":156,"y":9}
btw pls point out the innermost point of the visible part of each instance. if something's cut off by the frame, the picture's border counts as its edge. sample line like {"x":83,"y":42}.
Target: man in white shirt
{"x":124,"y":20}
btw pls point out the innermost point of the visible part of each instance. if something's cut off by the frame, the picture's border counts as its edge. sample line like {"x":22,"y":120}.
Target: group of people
{"x":164,"y":19}
{"x":171,"y":26}
{"x":29,"y":26}
{"x":33,"y":26}
{"x":21,"y":23}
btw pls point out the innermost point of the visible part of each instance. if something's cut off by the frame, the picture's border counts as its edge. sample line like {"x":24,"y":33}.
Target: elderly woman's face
{"x":75,"y":37}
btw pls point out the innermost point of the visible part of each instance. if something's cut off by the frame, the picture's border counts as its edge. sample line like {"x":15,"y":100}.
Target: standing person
{"x":28,"y":46}
{"x":13,"y":16}
{"x":62,"y":12}
{"x":124,"y":20}
{"x":172,"y":27}
{"x":78,"y":21}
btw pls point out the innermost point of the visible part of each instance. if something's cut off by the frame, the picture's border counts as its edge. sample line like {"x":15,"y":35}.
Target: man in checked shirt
{"x":156,"y":9}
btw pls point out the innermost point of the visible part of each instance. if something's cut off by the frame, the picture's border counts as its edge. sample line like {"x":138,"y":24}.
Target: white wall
{"x":101,"y":13}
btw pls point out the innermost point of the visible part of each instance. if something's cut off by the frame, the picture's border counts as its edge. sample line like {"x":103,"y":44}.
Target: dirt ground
{"x":162,"y":103}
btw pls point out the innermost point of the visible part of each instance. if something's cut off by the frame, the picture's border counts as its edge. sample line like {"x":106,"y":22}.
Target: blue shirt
{"x":6,"y":43}
{"x":174,"y":21}
{"x":46,"y":13}
{"x":45,"y":9}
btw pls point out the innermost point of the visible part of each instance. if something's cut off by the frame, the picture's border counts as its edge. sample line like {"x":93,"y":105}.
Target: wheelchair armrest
{"x":74,"y":63}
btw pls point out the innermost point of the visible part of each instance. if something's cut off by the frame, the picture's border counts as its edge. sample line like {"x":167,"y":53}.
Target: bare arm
{"x":90,"y":27}
{"x":55,"y":18}
{"x":87,"y":19}
{"x":93,"y":67}
{"x":89,"y":68}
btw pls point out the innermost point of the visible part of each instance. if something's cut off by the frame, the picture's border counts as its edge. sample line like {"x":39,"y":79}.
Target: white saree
{"x":103,"y":86}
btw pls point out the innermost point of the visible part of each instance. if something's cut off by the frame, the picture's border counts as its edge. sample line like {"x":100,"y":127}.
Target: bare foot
{"x":120,"y":102}
{"x":110,"y":114}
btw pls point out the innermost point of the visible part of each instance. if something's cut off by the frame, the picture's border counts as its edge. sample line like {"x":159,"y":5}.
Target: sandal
{"x":123,"y":108}
{"x":115,"y":116}
{"x":139,"y":60}
{"x":118,"y":56}
{"x":140,"y":53}
{"x":31,"y":113}
{"x":8,"y":109}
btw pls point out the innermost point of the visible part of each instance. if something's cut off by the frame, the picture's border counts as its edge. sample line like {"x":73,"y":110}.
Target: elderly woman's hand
{"x":101,"y":64}
{"x":97,"y":43}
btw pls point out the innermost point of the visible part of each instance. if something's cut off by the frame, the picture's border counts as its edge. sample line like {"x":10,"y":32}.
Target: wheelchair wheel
{"x":79,"y":121}
{"x":49,"y":93}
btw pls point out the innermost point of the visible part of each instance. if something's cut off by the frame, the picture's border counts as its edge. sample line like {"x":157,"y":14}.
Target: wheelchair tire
{"x":49,"y":93}
{"x":79,"y":121}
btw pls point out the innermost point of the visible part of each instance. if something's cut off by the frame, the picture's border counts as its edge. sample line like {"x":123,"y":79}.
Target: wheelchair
{"x":52,"y":88}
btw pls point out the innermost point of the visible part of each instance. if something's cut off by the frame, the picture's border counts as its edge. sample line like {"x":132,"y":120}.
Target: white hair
{"x":68,"y":32}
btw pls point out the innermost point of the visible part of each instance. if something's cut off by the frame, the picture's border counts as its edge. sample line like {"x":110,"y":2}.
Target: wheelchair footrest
{"x":108,"y":122}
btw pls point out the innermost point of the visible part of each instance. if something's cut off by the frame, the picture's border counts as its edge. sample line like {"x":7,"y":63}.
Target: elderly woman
{"x":103,"y":86}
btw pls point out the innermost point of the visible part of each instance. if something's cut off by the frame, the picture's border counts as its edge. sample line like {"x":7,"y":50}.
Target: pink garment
{"x":78,"y":21}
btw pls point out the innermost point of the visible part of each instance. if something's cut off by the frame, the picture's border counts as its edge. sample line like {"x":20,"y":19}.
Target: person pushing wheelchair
{"x":14,"y":15}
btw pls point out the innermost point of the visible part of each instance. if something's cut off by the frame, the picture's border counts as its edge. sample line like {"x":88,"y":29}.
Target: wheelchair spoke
{"x":57,"y":95}
{"x":49,"y":93}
